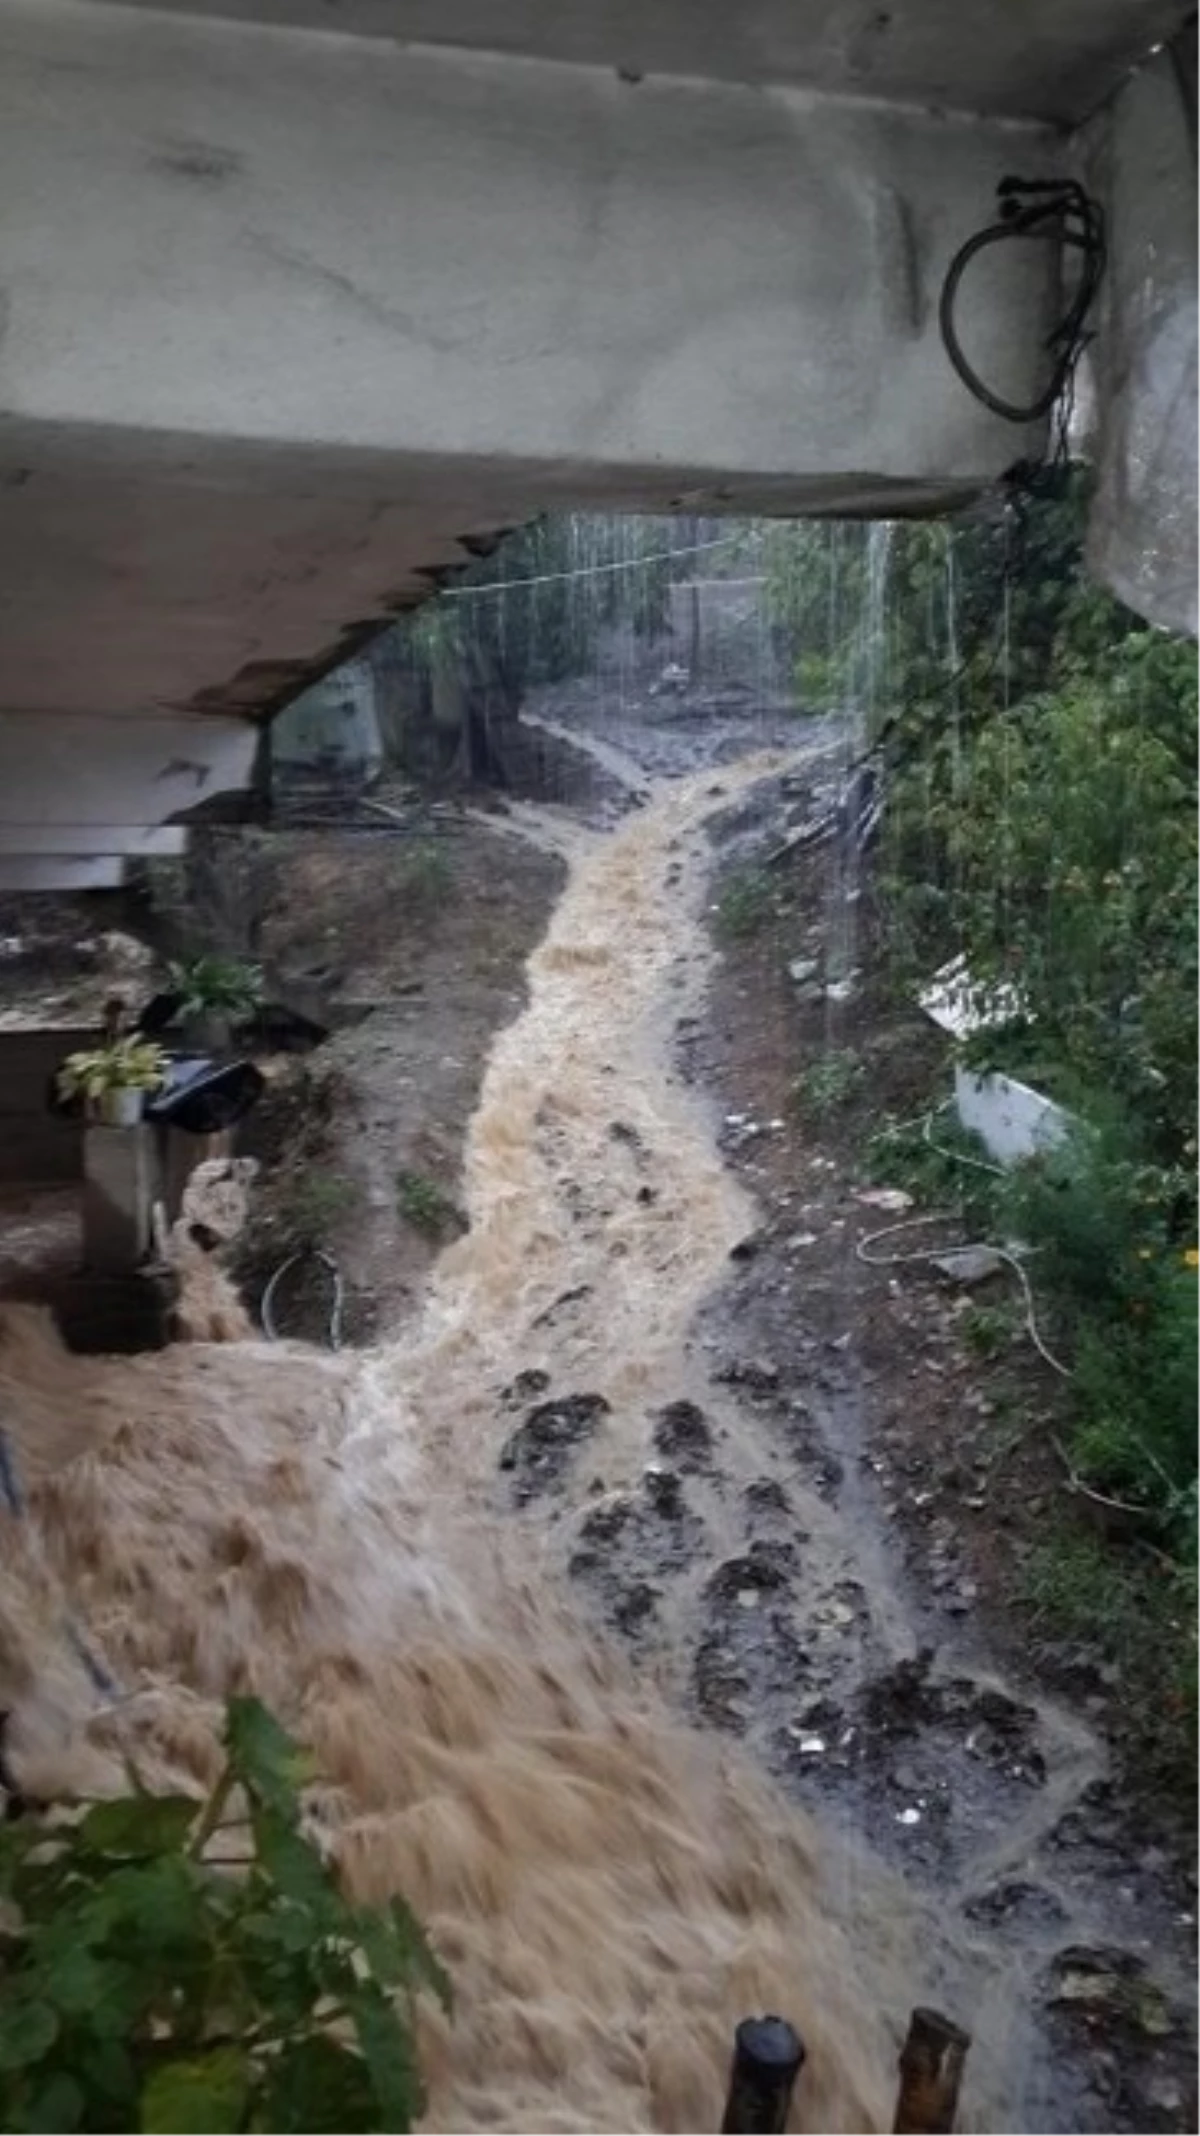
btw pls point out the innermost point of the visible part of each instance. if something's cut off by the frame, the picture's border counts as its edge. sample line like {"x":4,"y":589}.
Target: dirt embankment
{"x":1015,"y":1770}
{"x":415,"y":951}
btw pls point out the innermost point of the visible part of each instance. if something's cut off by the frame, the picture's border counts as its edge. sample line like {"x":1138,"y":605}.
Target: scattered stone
{"x":766,"y":1567}
{"x":565,"y":1298}
{"x":621,"y":1131}
{"x":893,"y":1199}
{"x":634,"y":1606}
{"x":971,"y":1264}
{"x":1015,"y":1901}
{"x":525,"y":1388}
{"x":802,"y":968}
{"x":753,"y":1373}
{"x":719,"y":1686}
{"x":766,"y":1497}
{"x":1108,"y":1986}
{"x":682,"y":1435}
{"x":537,"y":1454}
{"x":665,"y":1492}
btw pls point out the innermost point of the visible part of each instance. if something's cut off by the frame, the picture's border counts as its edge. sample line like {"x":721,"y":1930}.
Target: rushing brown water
{"x":610,"y":1891}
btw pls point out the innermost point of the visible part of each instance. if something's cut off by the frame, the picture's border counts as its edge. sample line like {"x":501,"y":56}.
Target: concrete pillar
{"x":120,"y":1186}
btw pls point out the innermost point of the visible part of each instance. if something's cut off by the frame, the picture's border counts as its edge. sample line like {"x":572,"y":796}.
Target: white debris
{"x":908,"y":1817}
{"x":891,"y":1198}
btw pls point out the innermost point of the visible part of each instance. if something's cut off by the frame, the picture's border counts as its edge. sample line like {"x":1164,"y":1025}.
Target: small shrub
{"x":745,"y":904}
{"x":425,"y":1205}
{"x":427,"y":875}
{"x":312,"y":1204}
{"x":216,"y":986}
{"x":986,"y":1330}
{"x":830,"y":1082}
{"x":148,"y":1987}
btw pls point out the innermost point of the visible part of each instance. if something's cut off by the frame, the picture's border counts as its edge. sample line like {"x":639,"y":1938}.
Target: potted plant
{"x":213,"y":994}
{"x":113,"y":1079}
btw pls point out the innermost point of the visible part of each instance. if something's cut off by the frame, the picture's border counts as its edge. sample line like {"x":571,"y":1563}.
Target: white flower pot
{"x":122,"y":1108}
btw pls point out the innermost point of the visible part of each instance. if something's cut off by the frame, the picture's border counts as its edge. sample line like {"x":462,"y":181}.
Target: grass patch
{"x":745,"y":904}
{"x":310,"y":1205}
{"x":426,"y":875}
{"x":987,"y":1331}
{"x":425,"y":1205}
{"x":829,"y":1082}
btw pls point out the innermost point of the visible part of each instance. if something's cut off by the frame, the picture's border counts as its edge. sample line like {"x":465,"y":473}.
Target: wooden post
{"x":931,"y":2067}
{"x":767,"y":2058}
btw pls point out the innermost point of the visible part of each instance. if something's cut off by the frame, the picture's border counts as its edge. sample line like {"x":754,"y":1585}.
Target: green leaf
{"x":294,"y":1865}
{"x":139,"y":1826}
{"x":320,"y":2087}
{"x":204,"y":2096}
{"x":425,"y":1960}
{"x":268,"y":1762}
{"x":27,"y":2029}
{"x":57,"y":2106}
{"x":74,"y":1981}
{"x":105,"y":2069}
{"x":387,"y":2051}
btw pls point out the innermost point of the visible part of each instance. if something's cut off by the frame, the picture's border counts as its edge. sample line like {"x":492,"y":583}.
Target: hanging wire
{"x":620,"y":563}
{"x":1057,"y":211}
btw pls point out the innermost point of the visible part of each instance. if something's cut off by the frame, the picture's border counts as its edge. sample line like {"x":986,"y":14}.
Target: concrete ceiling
{"x":1046,"y":59}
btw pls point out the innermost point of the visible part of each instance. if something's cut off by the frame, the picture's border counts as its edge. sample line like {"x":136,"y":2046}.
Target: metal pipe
{"x":767,"y":2058}
{"x":931,"y":2067}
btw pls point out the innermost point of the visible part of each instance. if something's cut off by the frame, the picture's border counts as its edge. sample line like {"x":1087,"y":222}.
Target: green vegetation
{"x":170,"y":1964}
{"x":425,"y":1205}
{"x":987,"y":1330}
{"x":215,"y":986}
{"x":746,"y":904}
{"x":310,"y":1205}
{"x":1038,"y":748}
{"x":426,"y":875}
{"x":125,"y":1064}
{"x":830,"y":1081}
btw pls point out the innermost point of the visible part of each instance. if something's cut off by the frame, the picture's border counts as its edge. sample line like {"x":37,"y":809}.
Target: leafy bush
{"x":216,"y":986}
{"x":148,"y":1986}
{"x":311,"y":1205}
{"x":424,"y":1204}
{"x":745,"y":904}
{"x":830,"y":1081}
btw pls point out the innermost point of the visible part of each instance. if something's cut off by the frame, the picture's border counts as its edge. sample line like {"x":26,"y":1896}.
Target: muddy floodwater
{"x":580,"y":1597}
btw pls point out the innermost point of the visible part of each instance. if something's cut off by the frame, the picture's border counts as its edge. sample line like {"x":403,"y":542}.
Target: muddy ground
{"x":878,"y":1668}
{"x":414,"y":950}
{"x":993,"y":1758}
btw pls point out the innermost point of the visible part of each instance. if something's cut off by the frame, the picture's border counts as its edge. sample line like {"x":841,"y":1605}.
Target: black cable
{"x":1052,"y":210}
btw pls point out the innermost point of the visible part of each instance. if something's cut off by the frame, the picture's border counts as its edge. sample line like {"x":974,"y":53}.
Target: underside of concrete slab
{"x":321,"y":307}
{"x":302,"y":305}
{"x":1055,"y":60}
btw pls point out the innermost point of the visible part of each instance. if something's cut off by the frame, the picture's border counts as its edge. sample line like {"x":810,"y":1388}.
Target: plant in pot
{"x":213,"y":994}
{"x":113,"y":1080}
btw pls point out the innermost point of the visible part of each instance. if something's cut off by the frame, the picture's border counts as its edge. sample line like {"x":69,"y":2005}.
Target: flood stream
{"x":402,"y":1551}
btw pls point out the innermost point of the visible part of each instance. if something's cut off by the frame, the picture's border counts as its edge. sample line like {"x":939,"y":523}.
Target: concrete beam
{"x":321,"y":306}
{"x":70,"y":770}
{"x":87,"y":840}
{"x":60,"y":872}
